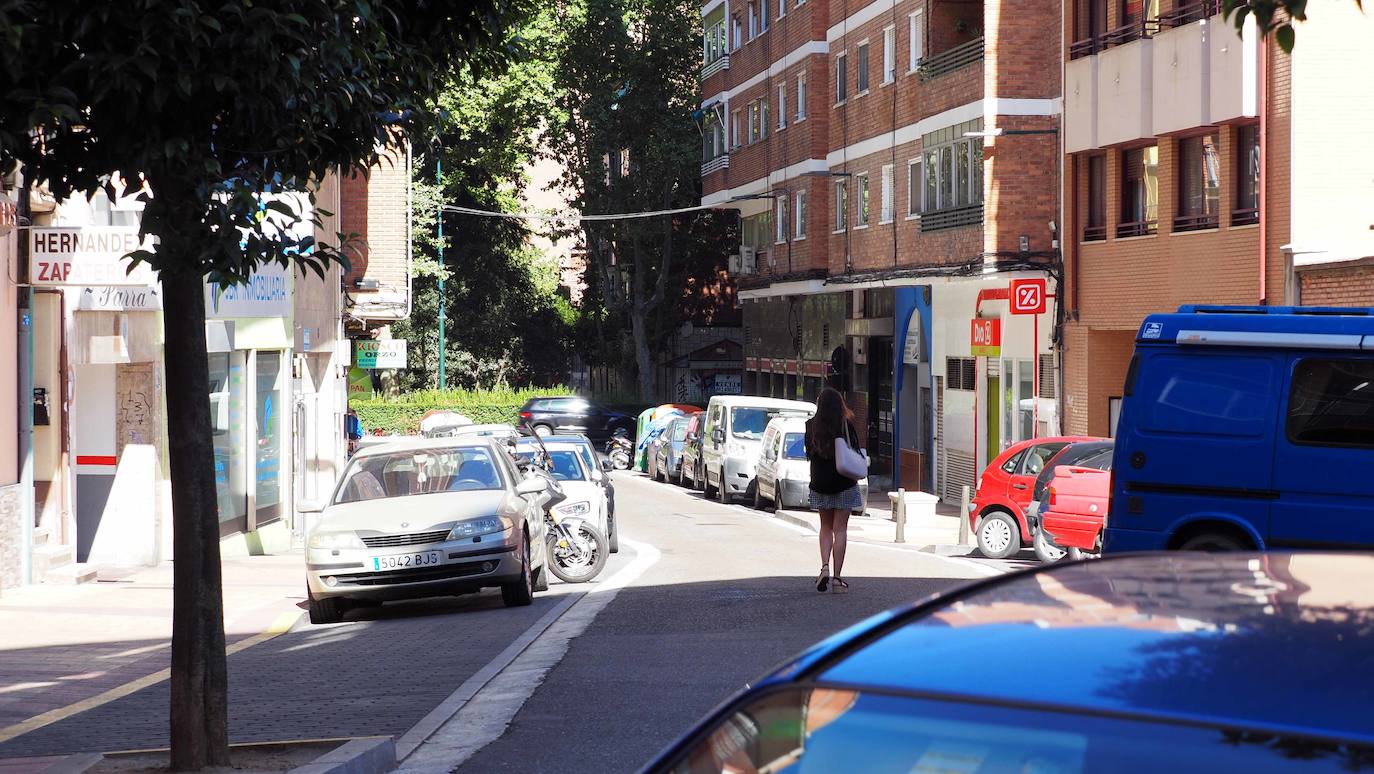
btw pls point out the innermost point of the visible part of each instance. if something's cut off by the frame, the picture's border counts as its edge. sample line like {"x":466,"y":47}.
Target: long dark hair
{"x":830,"y":422}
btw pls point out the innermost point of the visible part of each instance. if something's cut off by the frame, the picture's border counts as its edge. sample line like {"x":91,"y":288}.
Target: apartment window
{"x":861,"y":82}
{"x":889,"y":54}
{"x":914,"y":186}
{"x":782,"y":8}
{"x":753,"y":122}
{"x":801,"y":96}
{"x":1096,"y":228}
{"x":1139,"y":191}
{"x":753,"y":21}
{"x":739,"y":32}
{"x":861,"y":190}
{"x":841,"y":78}
{"x":953,"y":168}
{"x":841,"y":205}
{"x":713,"y":139}
{"x":782,"y":105}
{"x":1199,"y":183}
{"x":763,"y":118}
{"x":916,"y":40}
{"x":736,"y":129}
{"x":714,"y":43}
{"x":756,"y":231}
{"x":763,"y":16}
{"x":1247,"y":176}
{"x":961,"y":373}
{"x":780,"y":219}
{"x":801,"y":215}
{"x":885,"y":215}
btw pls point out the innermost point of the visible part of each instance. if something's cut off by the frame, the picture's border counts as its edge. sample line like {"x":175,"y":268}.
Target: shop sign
{"x":87,"y":255}
{"x":985,"y":338}
{"x":1028,"y":296}
{"x":915,"y":346}
{"x":727,"y":384}
{"x":111,"y":298}
{"x":380,"y":353}
{"x":267,"y":293}
{"x":359,"y":384}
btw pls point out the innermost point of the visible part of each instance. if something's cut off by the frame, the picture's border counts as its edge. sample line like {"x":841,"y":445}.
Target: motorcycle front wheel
{"x":580,"y":559}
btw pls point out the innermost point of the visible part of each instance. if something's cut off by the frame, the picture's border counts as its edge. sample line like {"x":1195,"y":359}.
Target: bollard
{"x":900,"y":515}
{"x":963,"y":519}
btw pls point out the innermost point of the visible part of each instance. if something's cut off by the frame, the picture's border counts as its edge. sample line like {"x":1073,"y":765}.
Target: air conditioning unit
{"x":734,"y":265}
{"x":747,"y":263}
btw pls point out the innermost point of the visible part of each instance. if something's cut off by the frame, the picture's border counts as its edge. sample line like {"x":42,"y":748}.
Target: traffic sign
{"x":1028,"y":296}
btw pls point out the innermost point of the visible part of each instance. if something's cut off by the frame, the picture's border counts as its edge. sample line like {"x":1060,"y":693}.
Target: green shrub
{"x":402,"y":414}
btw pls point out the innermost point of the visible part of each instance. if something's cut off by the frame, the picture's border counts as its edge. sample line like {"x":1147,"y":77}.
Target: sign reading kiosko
{"x":89,"y":255}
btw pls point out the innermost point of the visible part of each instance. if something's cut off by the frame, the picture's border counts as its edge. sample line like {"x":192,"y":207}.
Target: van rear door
{"x":1324,"y":461}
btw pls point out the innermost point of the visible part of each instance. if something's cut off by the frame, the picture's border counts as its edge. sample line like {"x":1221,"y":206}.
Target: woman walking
{"x":833,"y":494}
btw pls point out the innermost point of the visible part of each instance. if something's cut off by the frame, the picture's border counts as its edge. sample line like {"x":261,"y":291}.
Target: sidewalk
{"x":938,"y":534}
{"x":65,"y":649}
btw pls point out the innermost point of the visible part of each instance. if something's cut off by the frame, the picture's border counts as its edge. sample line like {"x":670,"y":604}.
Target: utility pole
{"x":439,"y":176}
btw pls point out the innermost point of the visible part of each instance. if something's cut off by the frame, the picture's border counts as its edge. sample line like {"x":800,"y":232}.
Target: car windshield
{"x":748,"y":422}
{"x":679,"y":431}
{"x":794,"y":446}
{"x":419,"y":471}
{"x":563,"y":463}
{"x":1073,"y":454}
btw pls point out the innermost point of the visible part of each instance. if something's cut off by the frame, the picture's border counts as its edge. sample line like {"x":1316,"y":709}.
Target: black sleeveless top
{"x":824,"y":478}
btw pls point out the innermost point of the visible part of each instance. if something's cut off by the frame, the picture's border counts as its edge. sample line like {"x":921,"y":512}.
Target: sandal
{"x":838,"y":586}
{"x":823,"y":580}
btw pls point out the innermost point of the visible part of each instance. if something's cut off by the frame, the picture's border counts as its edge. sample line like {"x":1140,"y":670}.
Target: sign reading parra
{"x":380,"y":353}
{"x":90,"y":255}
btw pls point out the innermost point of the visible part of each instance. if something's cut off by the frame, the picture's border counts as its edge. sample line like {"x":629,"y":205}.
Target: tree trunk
{"x":639,"y":329}
{"x":200,"y":676}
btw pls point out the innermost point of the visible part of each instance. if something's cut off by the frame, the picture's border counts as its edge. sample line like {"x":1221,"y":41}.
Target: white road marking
{"x":478,"y":713}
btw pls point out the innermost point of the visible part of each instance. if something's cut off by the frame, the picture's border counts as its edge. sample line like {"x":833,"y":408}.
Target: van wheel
{"x":999,"y":536}
{"x":326,"y":611}
{"x":722,"y":491}
{"x":1045,"y":551}
{"x":706,"y":489}
{"x":1214,"y":541}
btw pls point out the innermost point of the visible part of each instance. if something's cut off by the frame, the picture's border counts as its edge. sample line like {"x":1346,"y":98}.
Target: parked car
{"x":732,"y":438}
{"x":1246,"y":428}
{"x":567,"y":414}
{"x":1181,"y":663}
{"x":586,"y":497}
{"x":997,"y":514}
{"x":601,"y":473}
{"x":783,"y":471}
{"x":500,"y":432}
{"x":1093,"y":454}
{"x":425,"y":517}
{"x":690,"y":470}
{"x":1076,"y":509}
{"x":667,"y":454}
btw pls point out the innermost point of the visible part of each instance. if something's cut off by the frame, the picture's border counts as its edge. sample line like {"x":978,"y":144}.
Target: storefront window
{"x":1025,"y":370}
{"x":226,"y":419}
{"x":269,"y":426}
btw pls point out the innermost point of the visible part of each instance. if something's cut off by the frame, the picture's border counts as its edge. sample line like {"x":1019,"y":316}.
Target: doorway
{"x":993,"y":414}
{"x":880,"y":414}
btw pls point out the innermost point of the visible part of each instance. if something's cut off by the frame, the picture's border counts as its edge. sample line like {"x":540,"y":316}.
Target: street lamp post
{"x":439,"y":176}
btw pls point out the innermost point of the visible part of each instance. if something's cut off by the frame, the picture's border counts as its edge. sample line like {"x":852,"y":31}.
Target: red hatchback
{"x":997,"y":514}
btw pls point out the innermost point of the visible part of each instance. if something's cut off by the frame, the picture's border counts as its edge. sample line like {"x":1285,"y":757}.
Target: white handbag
{"x":849,"y":462}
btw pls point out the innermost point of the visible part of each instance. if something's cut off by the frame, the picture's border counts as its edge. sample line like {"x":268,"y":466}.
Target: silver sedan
{"x":427,"y":517}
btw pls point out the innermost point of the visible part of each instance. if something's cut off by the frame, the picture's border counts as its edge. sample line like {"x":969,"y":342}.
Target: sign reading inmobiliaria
{"x":87,"y":255}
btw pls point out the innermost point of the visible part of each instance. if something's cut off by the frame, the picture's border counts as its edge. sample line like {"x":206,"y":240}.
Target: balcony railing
{"x":1194,"y":222}
{"x":1094,"y":233}
{"x":1136,"y":30}
{"x":712,"y":165}
{"x":934,"y":220}
{"x":951,"y":59}
{"x":1245,"y":217}
{"x":1135,"y":228}
{"x":719,"y":66}
{"x":1188,"y":13}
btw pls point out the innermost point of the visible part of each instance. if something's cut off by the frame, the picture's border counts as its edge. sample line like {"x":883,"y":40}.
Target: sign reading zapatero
{"x":89,"y":255}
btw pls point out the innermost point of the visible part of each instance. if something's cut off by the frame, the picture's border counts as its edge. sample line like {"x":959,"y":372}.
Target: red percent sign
{"x":1028,"y":296}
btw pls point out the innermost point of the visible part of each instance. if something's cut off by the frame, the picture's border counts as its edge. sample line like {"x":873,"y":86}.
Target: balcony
{"x":1195,"y":222}
{"x":1136,"y":228}
{"x":954,"y":217}
{"x":1094,"y":233}
{"x":719,"y":66}
{"x":951,"y":59}
{"x":716,"y":164}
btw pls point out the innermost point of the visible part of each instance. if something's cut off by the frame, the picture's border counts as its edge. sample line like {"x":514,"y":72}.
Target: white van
{"x":783,"y":471}
{"x":733,"y":438}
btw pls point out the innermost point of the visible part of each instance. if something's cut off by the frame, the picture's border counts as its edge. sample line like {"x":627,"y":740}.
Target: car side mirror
{"x":718,"y":436}
{"x":531,"y":485}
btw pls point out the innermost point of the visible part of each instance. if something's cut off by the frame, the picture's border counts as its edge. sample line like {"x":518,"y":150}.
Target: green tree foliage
{"x":1272,"y":17}
{"x":216,"y":104}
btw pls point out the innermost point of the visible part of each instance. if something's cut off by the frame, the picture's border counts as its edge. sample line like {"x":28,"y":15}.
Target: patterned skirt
{"x":848,"y":500}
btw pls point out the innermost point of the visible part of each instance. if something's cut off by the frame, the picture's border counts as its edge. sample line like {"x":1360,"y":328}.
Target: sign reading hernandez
{"x":88,"y":255}
{"x":380,"y":353}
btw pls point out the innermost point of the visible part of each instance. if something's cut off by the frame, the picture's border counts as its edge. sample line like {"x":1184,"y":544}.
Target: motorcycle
{"x":577,"y":550}
{"x":621,"y":451}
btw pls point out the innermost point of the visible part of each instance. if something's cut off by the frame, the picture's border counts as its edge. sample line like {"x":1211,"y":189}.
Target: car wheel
{"x":758,"y":498}
{"x":615,"y":535}
{"x":706,"y":489}
{"x":722,"y":491}
{"x":326,"y":611}
{"x":1046,"y":551}
{"x":521,"y":592}
{"x":1075,"y":554}
{"x":998,"y":535}
{"x":543,"y":431}
{"x":1214,"y":541}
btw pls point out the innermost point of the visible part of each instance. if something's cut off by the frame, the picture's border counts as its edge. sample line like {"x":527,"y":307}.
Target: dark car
{"x":571,"y":415}
{"x":1090,"y":454}
{"x":1178,"y":663}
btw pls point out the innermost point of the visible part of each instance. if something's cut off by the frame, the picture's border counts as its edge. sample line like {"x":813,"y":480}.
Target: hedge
{"x":402,"y":414}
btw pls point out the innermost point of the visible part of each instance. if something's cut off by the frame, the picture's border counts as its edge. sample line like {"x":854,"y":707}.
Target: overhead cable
{"x":555,"y":217}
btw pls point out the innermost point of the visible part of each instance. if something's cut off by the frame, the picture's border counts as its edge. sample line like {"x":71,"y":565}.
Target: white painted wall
{"x":1124,"y":93}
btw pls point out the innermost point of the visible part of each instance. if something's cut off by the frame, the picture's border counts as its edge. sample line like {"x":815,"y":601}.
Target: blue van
{"x":1246,"y":427}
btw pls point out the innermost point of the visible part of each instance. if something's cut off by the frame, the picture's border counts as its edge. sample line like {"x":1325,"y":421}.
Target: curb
{"x":369,"y":755}
{"x":73,"y":764}
{"x":939,"y":549}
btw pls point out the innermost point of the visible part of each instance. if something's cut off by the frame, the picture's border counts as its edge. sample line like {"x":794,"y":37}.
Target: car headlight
{"x":574,"y":509}
{"x":474,"y":527}
{"x":335,"y":540}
